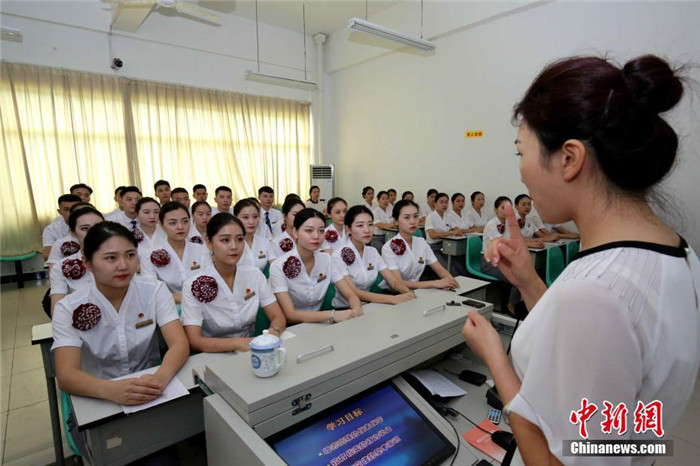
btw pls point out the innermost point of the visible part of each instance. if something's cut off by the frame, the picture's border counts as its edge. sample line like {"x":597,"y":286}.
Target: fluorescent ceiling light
{"x":14,"y":35}
{"x":279,"y":80}
{"x":380,"y":31}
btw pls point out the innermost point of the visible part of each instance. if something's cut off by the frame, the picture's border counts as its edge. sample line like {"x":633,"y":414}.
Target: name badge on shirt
{"x":261,"y":255}
{"x":370,"y":267}
{"x":145,"y":323}
{"x":421,"y":260}
{"x":249,"y":294}
{"x":195,"y":266}
{"x":321,"y":277}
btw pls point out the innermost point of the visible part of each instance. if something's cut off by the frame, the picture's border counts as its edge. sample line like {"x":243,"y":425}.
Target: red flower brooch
{"x":160,"y":258}
{"x":138,"y":234}
{"x":86,"y":316}
{"x":398,"y":247}
{"x":286,"y":245}
{"x":331,"y":236}
{"x":205,"y":289}
{"x":521,"y":222}
{"x":292,"y":267}
{"x":73,"y":269}
{"x":197,"y":240}
{"x":501,"y":227}
{"x":69,"y":248}
{"x":284,"y":227}
{"x":347,"y":255}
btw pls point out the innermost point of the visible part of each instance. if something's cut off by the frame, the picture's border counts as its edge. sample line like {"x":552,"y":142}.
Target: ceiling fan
{"x":135,"y":11}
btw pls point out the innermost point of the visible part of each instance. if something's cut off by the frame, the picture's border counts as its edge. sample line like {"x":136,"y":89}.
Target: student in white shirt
{"x":392,"y":198}
{"x":148,"y":233}
{"x":161,"y":189}
{"x":315,"y":201}
{"x":199,"y":192}
{"x":523,"y":207}
{"x":336,"y":233}
{"x":285,"y":242}
{"x":426,"y":208}
{"x":300,"y":278}
{"x":175,"y":259}
{"x":201,"y":215}
{"x":438,"y":225}
{"x":407,"y":255}
{"x":476,"y":214}
{"x":182,"y":196}
{"x":406,"y":196}
{"x":382,"y":220}
{"x":58,"y":228}
{"x":270,"y":218}
{"x":223,"y":197}
{"x":108,"y":329}
{"x":82,"y":190}
{"x":255,"y":247}
{"x":220,"y":303}
{"x":118,"y":200}
{"x":621,"y":324}
{"x":70,"y":273}
{"x":458,"y":216}
{"x":368,"y":196}
{"x":363,"y":263}
{"x":130,"y":196}
{"x":68,"y":244}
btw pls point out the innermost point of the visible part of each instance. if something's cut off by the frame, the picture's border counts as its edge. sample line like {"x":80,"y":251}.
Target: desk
{"x":391,"y":232}
{"x":455,"y":246}
{"x":539,"y":256}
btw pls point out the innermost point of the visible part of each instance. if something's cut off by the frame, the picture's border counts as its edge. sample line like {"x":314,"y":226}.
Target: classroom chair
{"x":474,"y":245}
{"x":328,"y":299}
{"x":555,"y":265}
{"x":266,"y":270}
{"x":420,"y":233}
{"x":261,"y":322}
{"x":18,"y":265}
{"x":375,"y":286}
{"x":572,"y":249}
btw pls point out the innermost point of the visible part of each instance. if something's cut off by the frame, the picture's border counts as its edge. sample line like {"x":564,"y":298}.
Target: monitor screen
{"x":379,"y":427}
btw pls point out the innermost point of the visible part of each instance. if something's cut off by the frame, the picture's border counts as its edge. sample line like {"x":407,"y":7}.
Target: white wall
{"x":397,"y":119}
{"x":74,"y":35}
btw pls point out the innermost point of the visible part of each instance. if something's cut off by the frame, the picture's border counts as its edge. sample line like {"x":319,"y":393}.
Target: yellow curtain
{"x":189,"y":136}
{"x":69,"y":128}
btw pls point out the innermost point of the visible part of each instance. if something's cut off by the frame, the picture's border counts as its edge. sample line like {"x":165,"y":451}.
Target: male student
{"x":223,"y":196}
{"x":162,"y":190}
{"x":82,"y":190}
{"x":182,"y":196}
{"x":392,"y":198}
{"x":199,"y":192}
{"x":118,"y":200}
{"x":130,"y":196}
{"x":58,"y":228}
{"x":271,"y":220}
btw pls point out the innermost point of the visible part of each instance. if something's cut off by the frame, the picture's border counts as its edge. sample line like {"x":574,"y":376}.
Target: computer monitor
{"x":379,"y":426}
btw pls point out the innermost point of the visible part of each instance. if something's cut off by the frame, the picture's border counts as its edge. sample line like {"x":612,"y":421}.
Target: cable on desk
{"x":458,"y":442}
{"x":465,"y":417}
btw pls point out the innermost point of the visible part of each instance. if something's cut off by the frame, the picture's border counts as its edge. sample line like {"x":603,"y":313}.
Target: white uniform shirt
{"x":620,"y":324}
{"x":362,"y":269}
{"x":230,"y":314}
{"x":194,"y":258}
{"x":381,"y":216}
{"x":120,"y":217}
{"x":148,"y":243}
{"x":276,"y":221}
{"x":412,"y":261}
{"x":319,"y":206}
{"x":121,"y":342}
{"x":528,"y":230}
{"x":194,"y":233}
{"x":70,"y":275}
{"x":460,"y":221}
{"x":371,"y":206}
{"x":68,"y":244}
{"x":491,"y":231}
{"x":475,"y":218}
{"x":215,"y":210}
{"x":58,"y":228}
{"x":329,"y":236}
{"x":424,"y":210}
{"x":280,"y":246}
{"x":257,"y":254}
{"x":307,"y":291}
{"x":438,"y":224}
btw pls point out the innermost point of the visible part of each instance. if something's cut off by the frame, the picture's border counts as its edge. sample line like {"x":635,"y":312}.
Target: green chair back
{"x":555,"y":264}
{"x":266,"y":270}
{"x":572,"y":248}
{"x":261,"y":322}
{"x":328,"y":299}
{"x":375,"y":286}
{"x":66,"y":409}
{"x":474,"y":245}
{"x":420,"y":233}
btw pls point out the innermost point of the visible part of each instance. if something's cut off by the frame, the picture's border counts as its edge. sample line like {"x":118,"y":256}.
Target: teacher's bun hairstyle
{"x":614,"y":111}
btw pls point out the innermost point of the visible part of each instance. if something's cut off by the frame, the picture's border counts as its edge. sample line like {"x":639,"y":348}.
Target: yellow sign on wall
{"x":473,"y":134}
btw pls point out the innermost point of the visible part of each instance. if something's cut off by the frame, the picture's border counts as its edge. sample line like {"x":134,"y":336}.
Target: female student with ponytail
{"x":621,"y":324}
{"x":336,"y":233}
{"x":285,"y":242}
{"x":255,"y":246}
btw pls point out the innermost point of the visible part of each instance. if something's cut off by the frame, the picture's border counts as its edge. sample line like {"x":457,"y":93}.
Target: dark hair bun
{"x":652,"y":84}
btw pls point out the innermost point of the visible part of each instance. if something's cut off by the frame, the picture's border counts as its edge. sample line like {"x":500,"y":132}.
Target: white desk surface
{"x":41,"y":333}
{"x":462,"y":237}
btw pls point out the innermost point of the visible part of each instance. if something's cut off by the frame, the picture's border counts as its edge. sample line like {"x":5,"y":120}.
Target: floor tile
{"x":7,"y":336}
{"x":688,"y":428}
{"x":4,"y":394}
{"x":43,"y":457}
{"x":28,"y":388}
{"x":26,"y":359}
{"x":684,"y":453}
{"x":31,"y":316}
{"x":6,"y":357}
{"x":28,"y":432}
{"x":3,"y":428}
{"x":23,"y":335}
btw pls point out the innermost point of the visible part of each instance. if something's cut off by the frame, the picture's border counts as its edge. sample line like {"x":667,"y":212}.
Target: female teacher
{"x":621,"y":324}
